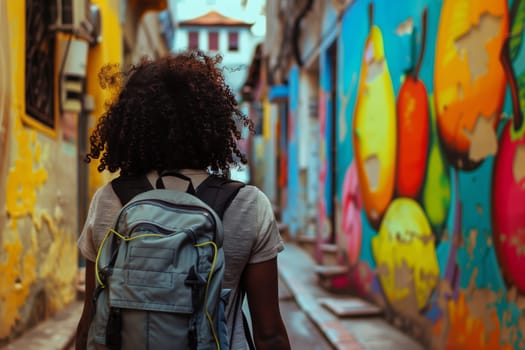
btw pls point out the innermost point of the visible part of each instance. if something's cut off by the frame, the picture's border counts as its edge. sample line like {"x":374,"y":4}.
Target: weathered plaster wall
{"x":429,"y":141}
{"x":39,"y":172}
{"x":5,"y":97}
{"x":38,"y":255}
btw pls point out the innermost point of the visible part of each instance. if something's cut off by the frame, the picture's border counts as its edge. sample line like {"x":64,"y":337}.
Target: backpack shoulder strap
{"x":127,"y":187}
{"x":218,"y":192}
{"x":215,"y":191}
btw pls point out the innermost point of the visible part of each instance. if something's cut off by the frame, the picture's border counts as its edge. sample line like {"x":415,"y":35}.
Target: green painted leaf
{"x":436,"y":189}
{"x":521,"y":91}
{"x":521,"y":88}
{"x":517,"y":30}
{"x":520,"y":81}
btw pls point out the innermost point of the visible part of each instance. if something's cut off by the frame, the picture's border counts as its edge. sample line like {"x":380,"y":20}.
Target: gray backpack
{"x":160,"y":268}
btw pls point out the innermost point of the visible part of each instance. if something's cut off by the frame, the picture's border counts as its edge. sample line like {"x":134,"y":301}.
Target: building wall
{"x":430,"y":171}
{"x":5,"y":97}
{"x":109,"y":52}
{"x":38,"y":255}
{"x":43,"y":200}
{"x":235,"y":62}
{"x":275,"y":35}
{"x":326,"y":155}
{"x":269,"y":152}
{"x":246,"y":46}
{"x":293,"y":212}
{"x":149,"y":43}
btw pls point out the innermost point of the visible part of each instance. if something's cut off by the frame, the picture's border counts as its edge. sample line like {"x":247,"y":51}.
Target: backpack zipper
{"x":193,"y":209}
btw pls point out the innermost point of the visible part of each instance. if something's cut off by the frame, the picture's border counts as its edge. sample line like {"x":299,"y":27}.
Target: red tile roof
{"x":214,"y":19}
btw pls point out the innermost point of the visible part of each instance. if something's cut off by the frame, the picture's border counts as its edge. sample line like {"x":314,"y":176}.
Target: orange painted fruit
{"x":469,"y":80}
{"x":412,"y":137}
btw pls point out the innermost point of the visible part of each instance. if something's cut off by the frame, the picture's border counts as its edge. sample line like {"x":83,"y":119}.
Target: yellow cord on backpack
{"x":208,"y":316}
{"x":124,"y":238}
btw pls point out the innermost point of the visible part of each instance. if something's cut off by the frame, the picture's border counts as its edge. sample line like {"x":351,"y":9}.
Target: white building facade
{"x":215,"y":33}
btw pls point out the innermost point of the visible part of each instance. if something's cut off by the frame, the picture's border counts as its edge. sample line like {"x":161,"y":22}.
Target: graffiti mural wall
{"x":430,"y":176}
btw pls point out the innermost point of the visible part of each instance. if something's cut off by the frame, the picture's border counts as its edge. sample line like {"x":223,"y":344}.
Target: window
{"x":39,"y":65}
{"x":233,"y":41}
{"x":213,"y":41}
{"x":193,"y":40}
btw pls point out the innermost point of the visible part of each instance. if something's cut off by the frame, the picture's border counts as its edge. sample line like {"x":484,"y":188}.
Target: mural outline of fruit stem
{"x":517,"y":120}
{"x":419,"y":63}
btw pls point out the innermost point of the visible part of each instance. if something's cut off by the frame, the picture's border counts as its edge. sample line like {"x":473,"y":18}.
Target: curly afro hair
{"x":172,"y":113}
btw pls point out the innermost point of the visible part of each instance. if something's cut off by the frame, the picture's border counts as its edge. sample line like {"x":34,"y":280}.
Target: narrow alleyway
{"x":310,"y":325}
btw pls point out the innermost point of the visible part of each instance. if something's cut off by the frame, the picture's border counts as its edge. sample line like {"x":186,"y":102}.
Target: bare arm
{"x":85,"y":318}
{"x":261,"y":284}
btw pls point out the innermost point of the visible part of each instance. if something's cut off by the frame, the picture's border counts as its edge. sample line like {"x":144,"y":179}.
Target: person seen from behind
{"x":177,"y":113}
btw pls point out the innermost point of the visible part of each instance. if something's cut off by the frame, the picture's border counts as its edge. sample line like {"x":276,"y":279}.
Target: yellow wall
{"x":108,"y":52}
{"x":38,"y":255}
{"x":39,"y":175}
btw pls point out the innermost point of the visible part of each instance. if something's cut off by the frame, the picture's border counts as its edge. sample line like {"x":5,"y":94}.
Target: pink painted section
{"x":352,"y":206}
{"x":509,"y":207}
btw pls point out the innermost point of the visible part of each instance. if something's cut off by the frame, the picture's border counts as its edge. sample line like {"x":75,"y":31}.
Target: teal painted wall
{"x":430,"y":182}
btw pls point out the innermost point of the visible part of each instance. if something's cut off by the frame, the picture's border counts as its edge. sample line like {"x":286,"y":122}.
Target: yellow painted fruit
{"x":405,"y":255}
{"x":374,"y":130}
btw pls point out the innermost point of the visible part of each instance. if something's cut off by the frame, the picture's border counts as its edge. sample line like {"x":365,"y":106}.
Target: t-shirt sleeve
{"x":268,"y":242}
{"x":101,"y":214}
{"x":86,"y":241}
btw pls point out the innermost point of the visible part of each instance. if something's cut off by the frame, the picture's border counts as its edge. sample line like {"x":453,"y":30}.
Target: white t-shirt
{"x":250,"y":236}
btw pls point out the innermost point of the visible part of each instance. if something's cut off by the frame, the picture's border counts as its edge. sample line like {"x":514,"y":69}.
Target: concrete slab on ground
{"x":56,"y":333}
{"x":297,"y":270}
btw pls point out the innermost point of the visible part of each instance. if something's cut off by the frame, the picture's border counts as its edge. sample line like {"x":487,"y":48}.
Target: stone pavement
{"x":296,"y":269}
{"x":56,"y":333}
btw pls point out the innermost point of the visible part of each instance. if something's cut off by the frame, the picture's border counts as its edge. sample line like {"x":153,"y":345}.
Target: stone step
{"x":327,"y":274}
{"x":329,"y":254}
{"x":350,"y":307}
{"x":329,"y":271}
